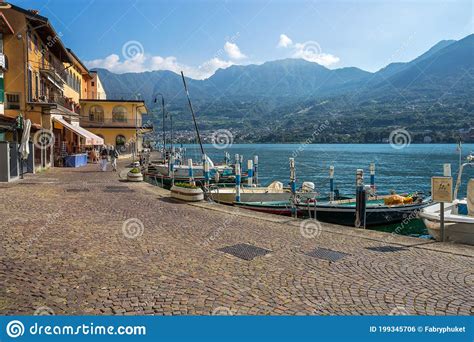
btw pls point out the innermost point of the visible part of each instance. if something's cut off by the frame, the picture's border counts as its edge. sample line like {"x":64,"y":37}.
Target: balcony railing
{"x":3,"y":62}
{"x":56,"y":72}
{"x":87,"y":121}
{"x":55,"y":99}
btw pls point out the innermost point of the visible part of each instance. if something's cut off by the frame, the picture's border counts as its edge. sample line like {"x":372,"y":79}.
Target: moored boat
{"x":343,"y":212}
{"x":458,"y":215}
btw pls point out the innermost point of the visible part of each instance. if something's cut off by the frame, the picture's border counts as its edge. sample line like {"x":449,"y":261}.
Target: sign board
{"x":442,"y":189}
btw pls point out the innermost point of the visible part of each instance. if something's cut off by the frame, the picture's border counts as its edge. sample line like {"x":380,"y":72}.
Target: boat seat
{"x":470,"y":197}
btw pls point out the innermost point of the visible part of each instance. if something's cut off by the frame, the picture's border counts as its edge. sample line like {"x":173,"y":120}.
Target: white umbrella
{"x":25,"y":137}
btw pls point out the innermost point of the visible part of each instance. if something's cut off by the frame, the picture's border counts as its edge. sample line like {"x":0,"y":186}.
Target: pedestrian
{"x":113,"y":158}
{"x":104,"y":155}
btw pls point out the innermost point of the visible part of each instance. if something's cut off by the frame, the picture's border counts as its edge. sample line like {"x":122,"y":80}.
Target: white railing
{"x":3,"y":62}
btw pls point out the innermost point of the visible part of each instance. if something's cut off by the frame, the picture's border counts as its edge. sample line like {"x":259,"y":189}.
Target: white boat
{"x":458,"y":215}
{"x":274,"y":192}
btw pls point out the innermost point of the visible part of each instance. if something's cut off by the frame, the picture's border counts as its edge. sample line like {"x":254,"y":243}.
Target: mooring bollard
{"x":255,"y":170}
{"x":206,"y":173}
{"x":372,"y":178}
{"x":360,"y":199}
{"x":249,"y":172}
{"x":293,"y":186}
{"x":190,"y":172}
{"x":331,"y":183}
{"x":237,"y":182}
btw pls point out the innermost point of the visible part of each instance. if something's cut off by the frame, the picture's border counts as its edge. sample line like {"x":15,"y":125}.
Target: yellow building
{"x":119,"y":122}
{"x":43,"y":82}
{"x":95,"y":89}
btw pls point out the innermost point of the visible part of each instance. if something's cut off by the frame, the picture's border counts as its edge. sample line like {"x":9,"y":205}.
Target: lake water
{"x":404,"y":169}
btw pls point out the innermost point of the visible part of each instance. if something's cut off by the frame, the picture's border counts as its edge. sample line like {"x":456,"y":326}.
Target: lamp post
{"x":164,"y":115}
{"x":136,"y":131}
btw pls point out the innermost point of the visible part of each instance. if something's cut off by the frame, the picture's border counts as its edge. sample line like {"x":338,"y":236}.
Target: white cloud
{"x":233,"y":51}
{"x":310,"y":51}
{"x":141,"y":63}
{"x":284,"y":41}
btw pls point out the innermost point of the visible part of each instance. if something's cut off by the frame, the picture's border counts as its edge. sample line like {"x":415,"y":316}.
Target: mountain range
{"x":431,"y":95}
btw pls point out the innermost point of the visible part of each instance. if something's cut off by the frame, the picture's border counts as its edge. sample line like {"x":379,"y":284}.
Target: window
{"x":13,"y":101}
{"x":30,"y":86}
{"x":96,"y":113}
{"x":120,"y":142}
{"x":119,"y":114}
{"x":92,"y":83}
{"x":36,"y":85}
{"x":29,"y":41}
{"x":35,"y":42}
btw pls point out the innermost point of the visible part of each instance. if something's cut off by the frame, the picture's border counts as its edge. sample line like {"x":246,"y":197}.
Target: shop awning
{"x":91,"y":138}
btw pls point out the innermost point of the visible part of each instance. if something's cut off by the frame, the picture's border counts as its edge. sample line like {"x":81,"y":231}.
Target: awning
{"x":91,"y":138}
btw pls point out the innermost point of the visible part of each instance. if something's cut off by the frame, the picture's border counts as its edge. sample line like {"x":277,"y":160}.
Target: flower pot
{"x":134,"y":177}
{"x":187,"y":194}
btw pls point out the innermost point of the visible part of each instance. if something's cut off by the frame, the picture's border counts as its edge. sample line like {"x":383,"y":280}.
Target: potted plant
{"x":187,"y":192}
{"x":135,"y":175}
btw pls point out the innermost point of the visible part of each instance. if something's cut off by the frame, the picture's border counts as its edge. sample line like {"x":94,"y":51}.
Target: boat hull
{"x":458,"y":227}
{"x":453,"y":232}
{"x":375,"y":215}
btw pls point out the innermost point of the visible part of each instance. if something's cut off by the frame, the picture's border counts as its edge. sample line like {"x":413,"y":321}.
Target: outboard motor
{"x":308,"y":187}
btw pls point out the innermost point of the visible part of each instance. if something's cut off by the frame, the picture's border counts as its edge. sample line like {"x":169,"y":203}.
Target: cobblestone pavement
{"x":71,"y":244}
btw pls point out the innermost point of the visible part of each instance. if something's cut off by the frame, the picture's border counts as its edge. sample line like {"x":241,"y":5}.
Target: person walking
{"x":113,"y":158}
{"x":104,"y":155}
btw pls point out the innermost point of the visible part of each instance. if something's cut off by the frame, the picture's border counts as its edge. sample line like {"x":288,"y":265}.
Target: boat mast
{"x":192,"y":112}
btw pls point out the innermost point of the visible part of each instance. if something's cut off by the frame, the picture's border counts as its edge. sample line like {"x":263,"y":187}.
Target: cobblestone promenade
{"x":78,"y":241}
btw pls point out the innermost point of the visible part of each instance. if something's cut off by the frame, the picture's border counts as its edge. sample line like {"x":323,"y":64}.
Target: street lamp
{"x":164,"y":115}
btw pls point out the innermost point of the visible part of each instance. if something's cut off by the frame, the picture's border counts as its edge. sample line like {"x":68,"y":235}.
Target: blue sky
{"x":201,"y":36}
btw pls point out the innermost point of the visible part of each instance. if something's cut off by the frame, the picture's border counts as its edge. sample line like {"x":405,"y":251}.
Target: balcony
{"x":57,"y":100}
{"x":55,"y":74}
{"x":87,"y":121}
{"x":3,"y":62}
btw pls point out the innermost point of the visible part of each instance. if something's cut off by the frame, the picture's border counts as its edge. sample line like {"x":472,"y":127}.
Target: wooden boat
{"x":343,"y":212}
{"x":458,"y":215}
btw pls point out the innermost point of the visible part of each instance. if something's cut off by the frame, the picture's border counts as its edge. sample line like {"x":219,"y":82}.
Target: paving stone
{"x":131,"y":253}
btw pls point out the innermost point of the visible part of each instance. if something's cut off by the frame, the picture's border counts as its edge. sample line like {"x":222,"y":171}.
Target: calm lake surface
{"x":405,"y":169}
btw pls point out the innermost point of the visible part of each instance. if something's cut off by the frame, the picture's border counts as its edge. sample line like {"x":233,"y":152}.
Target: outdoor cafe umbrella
{"x":25,"y":137}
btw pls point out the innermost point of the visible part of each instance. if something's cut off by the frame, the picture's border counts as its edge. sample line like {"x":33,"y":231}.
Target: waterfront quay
{"x":80,"y":241}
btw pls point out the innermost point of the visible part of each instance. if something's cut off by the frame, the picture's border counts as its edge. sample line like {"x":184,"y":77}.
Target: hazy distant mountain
{"x":433,"y":87}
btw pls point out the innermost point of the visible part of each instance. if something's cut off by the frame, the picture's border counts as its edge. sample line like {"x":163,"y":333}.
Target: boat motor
{"x":307,"y":187}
